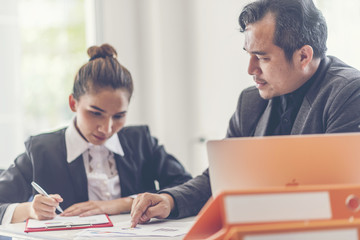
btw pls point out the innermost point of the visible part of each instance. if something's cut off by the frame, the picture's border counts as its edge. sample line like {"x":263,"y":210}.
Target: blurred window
{"x":43,"y":45}
{"x":52,"y":49}
{"x":342,"y":18}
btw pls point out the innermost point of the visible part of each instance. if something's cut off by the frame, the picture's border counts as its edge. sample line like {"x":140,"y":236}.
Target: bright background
{"x":185,"y":57}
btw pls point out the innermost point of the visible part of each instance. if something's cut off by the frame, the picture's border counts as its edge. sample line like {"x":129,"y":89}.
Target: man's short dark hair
{"x":297,"y":23}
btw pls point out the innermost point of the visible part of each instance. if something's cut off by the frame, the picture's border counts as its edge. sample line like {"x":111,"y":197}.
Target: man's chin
{"x":265,"y":95}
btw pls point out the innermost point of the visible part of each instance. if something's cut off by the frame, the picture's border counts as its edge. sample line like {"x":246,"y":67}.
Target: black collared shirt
{"x":286,"y":107}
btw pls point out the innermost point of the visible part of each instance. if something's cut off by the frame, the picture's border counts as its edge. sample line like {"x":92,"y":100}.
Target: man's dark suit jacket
{"x":45,"y":163}
{"x":331,"y":105}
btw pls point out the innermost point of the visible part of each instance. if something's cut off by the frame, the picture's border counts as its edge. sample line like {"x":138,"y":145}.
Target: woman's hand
{"x":89,"y":208}
{"x":43,"y":207}
{"x":40,"y":208}
{"x":85,"y":208}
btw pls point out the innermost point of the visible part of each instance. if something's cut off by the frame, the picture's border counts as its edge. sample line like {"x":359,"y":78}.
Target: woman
{"x":95,"y":164}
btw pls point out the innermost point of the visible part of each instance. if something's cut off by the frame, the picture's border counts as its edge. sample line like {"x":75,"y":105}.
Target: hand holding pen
{"x":44,"y":193}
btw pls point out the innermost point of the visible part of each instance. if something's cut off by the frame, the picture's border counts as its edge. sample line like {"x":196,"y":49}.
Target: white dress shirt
{"x":99,"y":162}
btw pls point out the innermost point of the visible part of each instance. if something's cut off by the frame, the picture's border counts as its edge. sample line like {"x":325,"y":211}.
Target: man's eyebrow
{"x":255,"y":52}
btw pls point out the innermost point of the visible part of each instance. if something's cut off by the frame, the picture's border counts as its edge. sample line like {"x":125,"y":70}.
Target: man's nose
{"x":254,"y":68}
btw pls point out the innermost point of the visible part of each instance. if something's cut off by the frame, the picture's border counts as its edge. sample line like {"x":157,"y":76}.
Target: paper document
{"x":157,"y":228}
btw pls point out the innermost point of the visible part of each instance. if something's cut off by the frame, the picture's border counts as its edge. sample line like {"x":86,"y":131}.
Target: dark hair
{"x":298,"y":23}
{"x":103,"y":70}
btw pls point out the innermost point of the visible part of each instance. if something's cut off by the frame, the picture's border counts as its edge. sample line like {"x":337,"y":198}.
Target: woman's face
{"x":100,"y":114}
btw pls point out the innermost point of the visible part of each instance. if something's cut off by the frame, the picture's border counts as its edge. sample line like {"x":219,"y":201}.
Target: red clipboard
{"x":68,"y":226}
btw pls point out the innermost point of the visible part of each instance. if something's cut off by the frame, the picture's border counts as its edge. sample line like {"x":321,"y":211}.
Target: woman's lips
{"x":99,"y":138}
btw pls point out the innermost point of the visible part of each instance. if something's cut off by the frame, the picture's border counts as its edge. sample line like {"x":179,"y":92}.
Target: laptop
{"x":275,"y":161}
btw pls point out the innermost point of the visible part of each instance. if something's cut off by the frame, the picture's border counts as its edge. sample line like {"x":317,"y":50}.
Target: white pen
{"x":42,"y":191}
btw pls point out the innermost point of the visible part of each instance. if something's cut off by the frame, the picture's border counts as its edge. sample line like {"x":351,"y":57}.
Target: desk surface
{"x":17,"y":231}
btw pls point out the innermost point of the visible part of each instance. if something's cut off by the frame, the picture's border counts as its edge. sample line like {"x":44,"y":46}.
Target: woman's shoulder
{"x":47,"y":139}
{"x":134,"y":131}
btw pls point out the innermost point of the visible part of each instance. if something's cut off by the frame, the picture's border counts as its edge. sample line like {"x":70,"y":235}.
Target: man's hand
{"x":148,"y":205}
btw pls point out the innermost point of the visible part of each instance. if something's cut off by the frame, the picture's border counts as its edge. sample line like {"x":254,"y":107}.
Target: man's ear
{"x":72,"y":103}
{"x":305,"y":56}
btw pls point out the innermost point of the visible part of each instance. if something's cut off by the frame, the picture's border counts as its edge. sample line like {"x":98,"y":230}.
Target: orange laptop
{"x":260,"y":162}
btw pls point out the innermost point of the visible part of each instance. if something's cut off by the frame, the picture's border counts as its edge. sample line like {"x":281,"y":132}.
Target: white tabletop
{"x":17,"y":231}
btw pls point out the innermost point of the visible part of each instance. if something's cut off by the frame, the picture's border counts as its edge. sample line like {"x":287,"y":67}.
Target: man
{"x":299,"y":90}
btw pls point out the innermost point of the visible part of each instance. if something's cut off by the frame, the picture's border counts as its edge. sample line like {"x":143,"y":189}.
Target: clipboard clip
{"x":68,"y":225}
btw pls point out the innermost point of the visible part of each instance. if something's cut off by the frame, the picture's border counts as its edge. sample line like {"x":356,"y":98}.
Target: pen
{"x":42,"y":191}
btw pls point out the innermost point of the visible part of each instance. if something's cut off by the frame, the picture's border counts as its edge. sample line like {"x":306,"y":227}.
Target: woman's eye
{"x":96,"y":113}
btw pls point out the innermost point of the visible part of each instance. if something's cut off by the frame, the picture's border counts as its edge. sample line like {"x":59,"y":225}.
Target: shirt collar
{"x":297,"y":96}
{"x":76,"y":144}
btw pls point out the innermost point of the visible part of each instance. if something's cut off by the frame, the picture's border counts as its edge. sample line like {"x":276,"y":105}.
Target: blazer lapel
{"x":260,"y":129}
{"x":126,"y":174}
{"x":127,"y":169}
{"x":301,"y":117}
{"x":79,"y":179}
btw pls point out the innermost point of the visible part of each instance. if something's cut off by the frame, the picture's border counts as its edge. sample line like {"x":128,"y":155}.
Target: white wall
{"x":11,"y":140}
{"x":187,"y":63}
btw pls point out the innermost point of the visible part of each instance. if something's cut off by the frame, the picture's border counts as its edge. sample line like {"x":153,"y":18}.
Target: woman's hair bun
{"x":103,"y":72}
{"x":102,"y":51}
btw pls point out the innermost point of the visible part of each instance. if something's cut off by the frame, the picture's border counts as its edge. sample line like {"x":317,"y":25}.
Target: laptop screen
{"x":275,"y":161}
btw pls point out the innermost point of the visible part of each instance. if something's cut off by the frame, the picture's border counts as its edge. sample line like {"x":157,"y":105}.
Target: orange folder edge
{"x":240,"y":232}
{"x":210,"y":223}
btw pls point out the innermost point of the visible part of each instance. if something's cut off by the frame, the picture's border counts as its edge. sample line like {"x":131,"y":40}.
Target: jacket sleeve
{"x":191,"y":196}
{"x":15,"y":183}
{"x":169,"y":171}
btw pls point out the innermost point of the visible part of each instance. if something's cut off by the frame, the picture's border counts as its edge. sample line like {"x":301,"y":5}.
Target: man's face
{"x":273,"y":74}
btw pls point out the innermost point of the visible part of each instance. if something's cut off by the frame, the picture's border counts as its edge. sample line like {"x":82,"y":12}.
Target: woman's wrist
{"x":22,"y":212}
{"x":120,"y":205}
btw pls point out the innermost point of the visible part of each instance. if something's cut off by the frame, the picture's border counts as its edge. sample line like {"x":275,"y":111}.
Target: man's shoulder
{"x":336,"y":79}
{"x":252,"y":90}
{"x":251,"y":96}
{"x":339,"y":71}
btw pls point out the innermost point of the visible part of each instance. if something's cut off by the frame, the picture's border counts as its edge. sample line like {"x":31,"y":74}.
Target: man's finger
{"x":137,"y":213}
{"x":133,"y":206}
{"x":139,"y":207}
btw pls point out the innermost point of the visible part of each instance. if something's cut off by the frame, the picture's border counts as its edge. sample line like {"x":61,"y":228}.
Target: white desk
{"x":17,"y":231}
